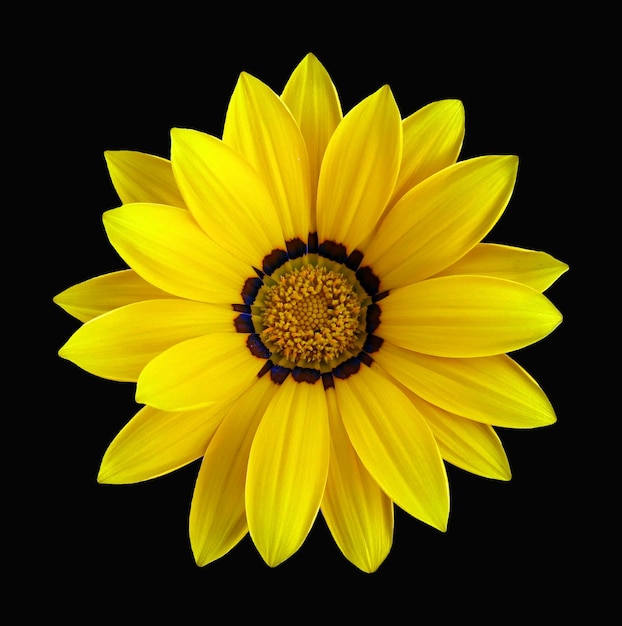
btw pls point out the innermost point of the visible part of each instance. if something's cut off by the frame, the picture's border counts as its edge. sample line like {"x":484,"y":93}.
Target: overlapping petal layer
{"x":358,"y":513}
{"x":140,"y":177}
{"x":536,"y":269}
{"x":157,"y":442}
{"x":101,"y":294}
{"x":441,"y":219}
{"x":466,"y":316}
{"x":395,"y":444}
{"x":198,"y":372}
{"x":287,"y":470}
{"x":494,"y":390}
{"x":218,"y":512}
{"x":261,"y":128}
{"x":472,"y":446}
{"x":313,"y":101}
{"x":359,"y":170}
{"x":189,"y":265}
{"x":118,"y":344}
{"x":225,"y":195}
{"x":432,"y":140}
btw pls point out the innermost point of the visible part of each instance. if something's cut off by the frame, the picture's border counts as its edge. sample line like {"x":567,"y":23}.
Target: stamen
{"x":312,"y":315}
{"x":311,"y":312}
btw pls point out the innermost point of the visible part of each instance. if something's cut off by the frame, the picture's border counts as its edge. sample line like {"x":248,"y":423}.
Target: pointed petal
{"x":359,"y":170}
{"x":432,"y":140}
{"x":287,"y":470}
{"x":494,"y":390}
{"x":261,"y":128}
{"x":538,"y":270}
{"x":358,"y":513}
{"x":154,"y":443}
{"x":466,"y":316}
{"x":140,"y":177}
{"x":118,"y":344}
{"x":472,"y":446}
{"x":226,"y":196}
{"x":167,"y":248}
{"x":217,"y":514}
{"x":101,"y":294}
{"x":311,"y":97}
{"x":207,"y":370}
{"x":395,"y":444}
{"x":441,"y":219}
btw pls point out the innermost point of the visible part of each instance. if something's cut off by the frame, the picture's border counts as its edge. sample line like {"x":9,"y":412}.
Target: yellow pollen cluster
{"x":311,"y":314}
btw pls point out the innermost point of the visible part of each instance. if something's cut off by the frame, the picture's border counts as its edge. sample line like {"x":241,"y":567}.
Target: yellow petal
{"x":287,"y":470}
{"x":311,"y":97}
{"x":260,"y":127}
{"x":432,"y":140}
{"x":466,"y":316}
{"x":156,"y":442}
{"x":359,"y":170}
{"x":494,"y":390}
{"x":217,"y":514}
{"x":226,"y":196}
{"x":358,"y":513}
{"x":538,"y":270}
{"x":395,"y":444}
{"x":167,"y":248}
{"x":472,"y":446}
{"x":204,"y":371}
{"x":101,"y":294}
{"x":118,"y":344}
{"x":441,"y":219}
{"x":140,"y":177}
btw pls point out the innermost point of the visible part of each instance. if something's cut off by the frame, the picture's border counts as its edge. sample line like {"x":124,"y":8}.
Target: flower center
{"x":311,"y":314}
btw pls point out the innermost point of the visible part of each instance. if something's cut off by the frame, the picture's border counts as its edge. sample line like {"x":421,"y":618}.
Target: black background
{"x":109,"y":80}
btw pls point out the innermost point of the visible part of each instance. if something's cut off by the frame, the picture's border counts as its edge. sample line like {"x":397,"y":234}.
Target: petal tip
{"x":179,"y":135}
{"x":105,"y":476}
{"x":65,"y":351}
{"x":506,"y":476}
{"x":386,"y":92}
{"x":512,"y":160}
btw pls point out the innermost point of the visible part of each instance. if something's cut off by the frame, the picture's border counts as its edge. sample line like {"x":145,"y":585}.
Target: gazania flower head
{"x":310,"y":309}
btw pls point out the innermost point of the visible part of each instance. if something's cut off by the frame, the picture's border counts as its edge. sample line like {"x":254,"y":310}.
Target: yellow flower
{"x":310,"y":309}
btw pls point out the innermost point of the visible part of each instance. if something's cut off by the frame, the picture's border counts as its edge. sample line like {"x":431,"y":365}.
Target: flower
{"x":310,"y":309}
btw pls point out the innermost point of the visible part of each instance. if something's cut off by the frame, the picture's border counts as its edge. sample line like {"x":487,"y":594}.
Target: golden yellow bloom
{"x":310,"y":310}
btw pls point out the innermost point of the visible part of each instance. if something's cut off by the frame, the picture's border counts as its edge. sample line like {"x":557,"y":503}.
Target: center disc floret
{"x":311,"y":315}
